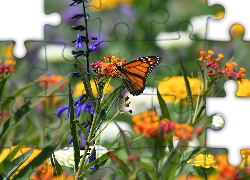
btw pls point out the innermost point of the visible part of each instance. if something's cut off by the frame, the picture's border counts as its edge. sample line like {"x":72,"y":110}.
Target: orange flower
{"x":202,"y":53}
{"x":226,"y":172}
{"x":149,"y":124}
{"x":231,"y":71}
{"x":108,"y":67}
{"x":52,"y":80}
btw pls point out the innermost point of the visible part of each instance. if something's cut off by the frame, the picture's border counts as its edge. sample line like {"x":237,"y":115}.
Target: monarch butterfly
{"x":134,"y":74}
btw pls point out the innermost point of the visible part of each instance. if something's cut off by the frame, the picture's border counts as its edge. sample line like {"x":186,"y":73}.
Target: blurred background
{"x":171,"y":29}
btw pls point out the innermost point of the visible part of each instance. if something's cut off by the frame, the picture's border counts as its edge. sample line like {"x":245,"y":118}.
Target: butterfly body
{"x":135,"y":73}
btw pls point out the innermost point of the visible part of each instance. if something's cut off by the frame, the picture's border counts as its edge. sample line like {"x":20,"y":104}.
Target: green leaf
{"x":2,"y":84}
{"x":16,"y":163}
{"x":126,"y":141}
{"x":169,"y":168}
{"x":8,"y":159}
{"x":58,"y":167}
{"x":27,"y":107}
{"x":112,"y":94}
{"x":103,"y":173}
{"x":163,"y":105}
{"x":39,"y":160}
{"x":74,"y":132}
{"x":86,"y":83}
{"x":122,"y":166}
{"x":189,"y":93}
{"x":83,"y":129}
{"x":105,"y":156}
{"x":11,"y":98}
{"x":108,"y":107}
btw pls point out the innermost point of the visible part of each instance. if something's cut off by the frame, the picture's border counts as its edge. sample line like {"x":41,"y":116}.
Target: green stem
{"x":118,"y":112}
{"x":90,"y":153}
{"x":219,"y":92}
{"x":105,"y":89}
{"x":87,"y":143}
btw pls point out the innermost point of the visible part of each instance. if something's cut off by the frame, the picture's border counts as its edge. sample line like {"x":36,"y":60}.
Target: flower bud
{"x":219,"y":71}
{"x":6,"y":71}
{"x":202,"y":69}
{"x":137,"y":157}
{"x":126,"y":98}
{"x":130,"y":111}
{"x":130,"y":158}
{"x":120,"y":96}
{"x":198,"y":131}
{"x":126,"y":104}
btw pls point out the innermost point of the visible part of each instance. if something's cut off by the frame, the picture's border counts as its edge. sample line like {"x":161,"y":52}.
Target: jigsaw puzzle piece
{"x":196,"y":12}
{"x":219,"y":29}
{"x":28,"y":30}
{"x":224,"y":137}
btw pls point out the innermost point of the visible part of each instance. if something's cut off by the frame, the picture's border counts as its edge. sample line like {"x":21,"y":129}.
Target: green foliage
{"x":86,"y":83}
{"x":74,"y":132}
{"x":163,"y":105}
{"x":58,"y":167}
{"x":15,"y":164}
{"x":8,"y":159}
{"x":27,"y":107}
{"x":107,"y":107}
{"x":189,"y":93}
{"x":39,"y":160}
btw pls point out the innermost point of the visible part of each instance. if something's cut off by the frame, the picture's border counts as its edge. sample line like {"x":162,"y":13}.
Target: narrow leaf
{"x":86,"y":83}
{"x":16,"y":163}
{"x":27,"y":107}
{"x":11,"y":98}
{"x":122,"y":166}
{"x":125,"y":140}
{"x":108,"y":107}
{"x":8,"y":159}
{"x":74,"y":132}
{"x":59,"y":169}
{"x":163,"y":105}
{"x":39,"y":160}
{"x":83,"y":129}
{"x":189,"y":93}
{"x":103,"y":173}
{"x":112,"y":94}
{"x":105,"y":156}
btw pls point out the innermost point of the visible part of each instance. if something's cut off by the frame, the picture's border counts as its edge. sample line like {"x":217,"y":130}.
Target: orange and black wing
{"x":134,"y":74}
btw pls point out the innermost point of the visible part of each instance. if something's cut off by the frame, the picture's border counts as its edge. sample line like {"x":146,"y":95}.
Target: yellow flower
{"x":22,"y":150}
{"x":203,"y":160}
{"x":7,"y":51}
{"x":173,"y":89}
{"x":245,"y":157}
{"x":244,"y":88}
{"x":96,"y":6}
{"x":10,"y":62}
{"x":79,"y":89}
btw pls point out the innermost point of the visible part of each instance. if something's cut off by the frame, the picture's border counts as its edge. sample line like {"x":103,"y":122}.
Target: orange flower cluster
{"x":108,"y":67}
{"x":52,"y":80}
{"x":209,"y":58}
{"x":226,"y":172}
{"x":46,"y":172}
{"x":149,"y":125}
{"x":229,"y":69}
{"x":183,"y":132}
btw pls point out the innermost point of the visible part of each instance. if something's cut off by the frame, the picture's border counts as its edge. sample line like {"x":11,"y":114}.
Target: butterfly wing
{"x":134,"y":74}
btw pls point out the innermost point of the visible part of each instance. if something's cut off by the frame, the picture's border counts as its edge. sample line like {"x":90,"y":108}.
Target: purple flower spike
{"x":91,"y":158}
{"x":78,"y":109}
{"x":79,"y":42}
{"x":93,"y":47}
{"x":61,"y":110}
{"x":88,"y":107}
